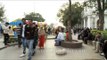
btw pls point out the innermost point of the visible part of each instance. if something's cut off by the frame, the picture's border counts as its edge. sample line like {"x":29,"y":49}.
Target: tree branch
{"x":99,"y":5}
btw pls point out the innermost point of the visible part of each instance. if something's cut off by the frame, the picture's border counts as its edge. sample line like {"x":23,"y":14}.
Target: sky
{"x":18,"y":8}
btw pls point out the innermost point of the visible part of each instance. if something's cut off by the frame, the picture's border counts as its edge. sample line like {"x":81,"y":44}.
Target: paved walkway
{"x":49,"y":53}
{"x":1,"y":42}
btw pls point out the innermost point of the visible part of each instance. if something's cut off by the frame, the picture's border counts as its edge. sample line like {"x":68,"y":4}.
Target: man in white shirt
{"x":5,"y":32}
{"x":60,"y":37}
{"x":23,"y":38}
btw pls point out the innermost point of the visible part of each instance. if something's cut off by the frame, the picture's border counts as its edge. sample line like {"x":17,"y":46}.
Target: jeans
{"x":58,"y":42}
{"x":24,"y":45}
{"x":19,"y":41}
{"x":35,"y":42}
{"x":30,"y":45}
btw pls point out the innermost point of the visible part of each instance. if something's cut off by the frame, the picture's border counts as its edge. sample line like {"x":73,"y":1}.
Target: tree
{"x":35,"y":17}
{"x":70,"y":15}
{"x":1,"y":12}
{"x":101,"y":6}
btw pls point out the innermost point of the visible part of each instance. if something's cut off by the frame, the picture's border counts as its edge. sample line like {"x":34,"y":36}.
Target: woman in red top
{"x":41,"y":37}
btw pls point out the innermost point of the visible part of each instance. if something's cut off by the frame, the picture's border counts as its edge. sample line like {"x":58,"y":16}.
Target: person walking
{"x":41,"y":38}
{"x":6,"y":35}
{"x":35,"y":38}
{"x":23,"y":40}
{"x":29,"y":36}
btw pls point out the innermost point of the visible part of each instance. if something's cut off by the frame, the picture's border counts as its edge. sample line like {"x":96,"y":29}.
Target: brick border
{"x":73,"y":44}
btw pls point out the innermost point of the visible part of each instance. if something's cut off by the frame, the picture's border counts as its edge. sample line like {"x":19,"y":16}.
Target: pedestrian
{"x":49,"y":30}
{"x":29,"y":36}
{"x":35,"y":37}
{"x":23,"y":40}
{"x":19,"y":28}
{"x":41,"y":37}
{"x":11,"y":34}
{"x":6,"y":35}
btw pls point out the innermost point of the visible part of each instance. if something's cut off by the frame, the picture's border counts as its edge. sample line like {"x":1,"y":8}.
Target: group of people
{"x":97,"y":41}
{"x":100,"y":44}
{"x":61,"y":35}
{"x":29,"y":36}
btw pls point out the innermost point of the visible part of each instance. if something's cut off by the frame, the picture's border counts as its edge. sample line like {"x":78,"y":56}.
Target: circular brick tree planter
{"x":73,"y":44}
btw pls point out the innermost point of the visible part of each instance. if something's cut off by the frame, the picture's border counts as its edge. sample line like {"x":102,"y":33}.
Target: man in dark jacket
{"x":35,"y":27}
{"x":23,"y":39}
{"x":29,"y":35}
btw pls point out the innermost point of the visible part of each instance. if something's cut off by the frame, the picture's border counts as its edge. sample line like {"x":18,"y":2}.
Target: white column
{"x":105,"y":22}
{"x":88,"y":22}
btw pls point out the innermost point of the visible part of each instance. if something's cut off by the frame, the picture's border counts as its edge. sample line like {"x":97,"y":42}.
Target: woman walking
{"x":41,"y":38}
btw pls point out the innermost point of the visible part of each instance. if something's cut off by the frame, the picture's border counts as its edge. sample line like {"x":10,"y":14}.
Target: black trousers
{"x":6,"y":39}
{"x":19,"y":40}
{"x":85,"y":40}
{"x":35,"y":42}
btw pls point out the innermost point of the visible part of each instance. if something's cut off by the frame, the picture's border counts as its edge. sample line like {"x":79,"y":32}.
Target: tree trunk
{"x":101,"y":9}
{"x":101,"y":20}
{"x":69,"y":30}
{"x":69,"y":22}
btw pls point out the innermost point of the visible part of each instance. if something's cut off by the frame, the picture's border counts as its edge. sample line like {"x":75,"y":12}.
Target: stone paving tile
{"x":1,"y":42}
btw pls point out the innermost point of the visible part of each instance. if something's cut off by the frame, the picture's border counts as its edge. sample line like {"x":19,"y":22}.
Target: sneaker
{"x":22,"y":55}
{"x":102,"y":54}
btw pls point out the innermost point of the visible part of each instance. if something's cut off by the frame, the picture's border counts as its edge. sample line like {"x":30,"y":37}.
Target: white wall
{"x":92,"y":18}
{"x":105,"y":22}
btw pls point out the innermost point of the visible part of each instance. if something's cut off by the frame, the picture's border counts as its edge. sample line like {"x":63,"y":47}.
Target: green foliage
{"x":35,"y":17}
{"x":101,"y":6}
{"x":1,"y":12}
{"x":76,"y":14}
{"x":104,"y":33}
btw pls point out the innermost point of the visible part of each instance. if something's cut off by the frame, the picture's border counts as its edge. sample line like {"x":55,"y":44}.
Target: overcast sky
{"x":48,"y":9}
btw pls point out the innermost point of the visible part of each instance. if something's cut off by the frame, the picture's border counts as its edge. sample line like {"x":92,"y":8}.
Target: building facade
{"x":90,"y":18}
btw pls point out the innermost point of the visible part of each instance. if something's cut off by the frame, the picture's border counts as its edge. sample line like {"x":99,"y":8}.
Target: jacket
{"x":29,"y":32}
